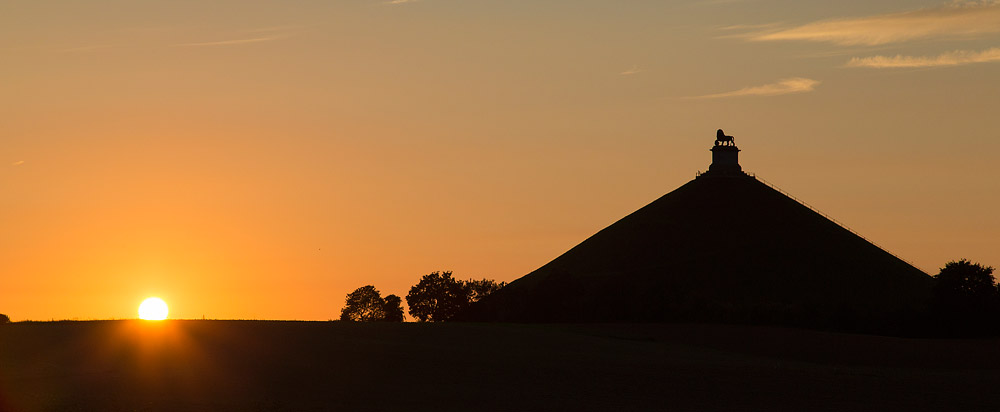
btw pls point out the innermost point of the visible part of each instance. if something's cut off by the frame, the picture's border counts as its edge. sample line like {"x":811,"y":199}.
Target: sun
{"x":153,"y":309}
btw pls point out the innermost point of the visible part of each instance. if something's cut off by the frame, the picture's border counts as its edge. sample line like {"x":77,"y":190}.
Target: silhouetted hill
{"x":723,"y":247}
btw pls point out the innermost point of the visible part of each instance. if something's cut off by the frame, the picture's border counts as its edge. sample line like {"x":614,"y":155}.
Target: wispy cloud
{"x":952,"y":20}
{"x":631,"y":71}
{"x":783,"y":86}
{"x":401,"y":1}
{"x":17,"y":163}
{"x":234,"y":41}
{"x":955,"y":58}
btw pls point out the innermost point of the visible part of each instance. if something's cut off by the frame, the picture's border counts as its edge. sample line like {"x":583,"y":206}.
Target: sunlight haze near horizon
{"x":262,"y":159}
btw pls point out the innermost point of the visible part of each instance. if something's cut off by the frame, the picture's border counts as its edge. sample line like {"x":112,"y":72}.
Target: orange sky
{"x":255,"y":159}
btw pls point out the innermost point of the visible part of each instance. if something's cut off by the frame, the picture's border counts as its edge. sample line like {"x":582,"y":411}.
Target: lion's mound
{"x":724,"y":247}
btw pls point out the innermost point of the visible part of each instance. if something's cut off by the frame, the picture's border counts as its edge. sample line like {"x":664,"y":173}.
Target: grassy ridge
{"x":305,"y":366}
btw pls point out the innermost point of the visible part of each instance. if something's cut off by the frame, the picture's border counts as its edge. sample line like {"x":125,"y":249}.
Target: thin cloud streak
{"x":952,"y":20}
{"x":401,"y":1}
{"x":782,"y":86}
{"x":631,"y":71}
{"x":955,"y":58}
{"x":233,"y":42}
{"x":17,"y":163}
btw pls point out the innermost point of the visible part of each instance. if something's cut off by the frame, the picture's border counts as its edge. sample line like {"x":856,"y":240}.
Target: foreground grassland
{"x":317,"y":366}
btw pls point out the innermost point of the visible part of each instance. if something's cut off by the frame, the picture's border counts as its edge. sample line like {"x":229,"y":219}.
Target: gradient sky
{"x":261,"y":159}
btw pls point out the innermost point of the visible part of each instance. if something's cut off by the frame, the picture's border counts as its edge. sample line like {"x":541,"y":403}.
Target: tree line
{"x":437,"y":297}
{"x":965,"y":300}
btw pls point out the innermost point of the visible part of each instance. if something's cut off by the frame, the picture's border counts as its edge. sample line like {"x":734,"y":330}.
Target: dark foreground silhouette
{"x":721,"y":249}
{"x":348,"y":366}
{"x":725,"y":247}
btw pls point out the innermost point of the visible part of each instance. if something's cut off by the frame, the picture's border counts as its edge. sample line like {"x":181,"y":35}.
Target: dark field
{"x":307,"y":366}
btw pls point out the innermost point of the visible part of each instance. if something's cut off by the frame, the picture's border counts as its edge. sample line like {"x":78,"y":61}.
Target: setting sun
{"x":153,"y":309}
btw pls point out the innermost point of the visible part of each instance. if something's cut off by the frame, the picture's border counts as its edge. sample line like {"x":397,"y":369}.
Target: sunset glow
{"x":153,"y":309}
{"x":263,"y":159}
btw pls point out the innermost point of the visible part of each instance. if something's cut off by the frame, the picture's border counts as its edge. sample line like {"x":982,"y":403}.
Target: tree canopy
{"x":365,"y":304}
{"x":966,"y":283}
{"x":393,"y":309}
{"x":4,"y":318}
{"x":482,"y":288}
{"x":966,"y":298}
{"x":439,"y":296}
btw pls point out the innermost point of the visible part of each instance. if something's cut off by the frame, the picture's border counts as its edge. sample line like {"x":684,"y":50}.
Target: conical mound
{"x":723,"y":247}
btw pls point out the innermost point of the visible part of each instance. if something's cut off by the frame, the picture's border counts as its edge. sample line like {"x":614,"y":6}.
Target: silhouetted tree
{"x":965,"y":284}
{"x":393,"y":309}
{"x":479,"y":289}
{"x":365,"y":304}
{"x":4,"y":319}
{"x":966,"y":295}
{"x":437,"y":297}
